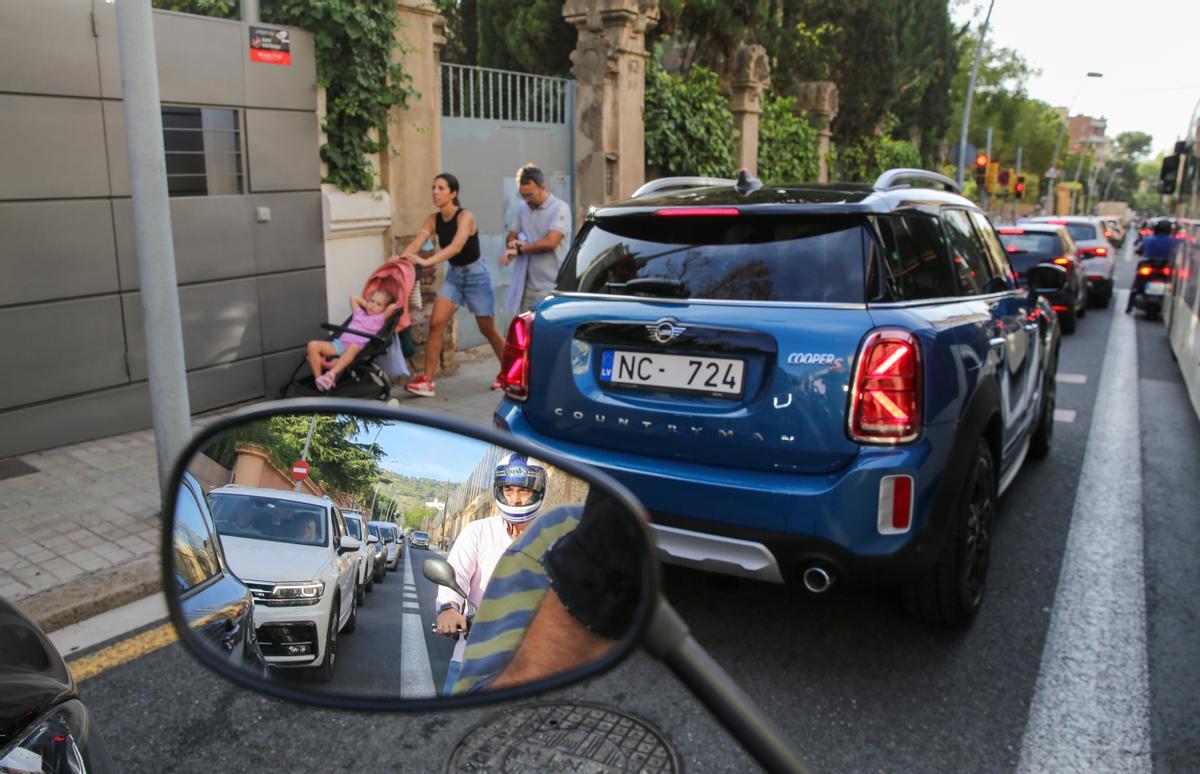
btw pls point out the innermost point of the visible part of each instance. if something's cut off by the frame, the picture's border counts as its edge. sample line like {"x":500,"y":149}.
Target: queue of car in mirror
{"x":572,"y":594}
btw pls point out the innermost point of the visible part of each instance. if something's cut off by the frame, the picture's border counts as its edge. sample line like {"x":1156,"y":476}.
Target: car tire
{"x":324,"y":671}
{"x":1043,"y":432}
{"x":352,"y":621}
{"x":381,"y":576}
{"x":1066,"y":321}
{"x":1081,"y":311}
{"x":360,"y":593}
{"x":951,"y":594}
{"x":370,"y":585}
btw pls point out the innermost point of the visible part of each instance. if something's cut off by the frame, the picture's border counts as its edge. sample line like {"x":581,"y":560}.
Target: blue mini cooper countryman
{"x":802,"y":383}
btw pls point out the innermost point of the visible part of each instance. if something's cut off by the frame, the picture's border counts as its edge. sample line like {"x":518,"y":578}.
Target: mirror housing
{"x":1046,"y":279}
{"x":349,"y":544}
{"x":372,"y":539}
{"x":440,"y":572}
{"x":602,"y":508}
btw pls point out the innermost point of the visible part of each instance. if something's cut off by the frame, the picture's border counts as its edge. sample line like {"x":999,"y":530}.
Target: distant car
{"x":387,"y":532}
{"x":43,"y":724}
{"x":1035,"y":243}
{"x":420,"y":539}
{"x":1113,"y":230}
{"x":1096,"y":252}
{"x":378,"y":551}
{"x":356,"y":525}
{"x":214,"y":602}
{"x":296,"y":555}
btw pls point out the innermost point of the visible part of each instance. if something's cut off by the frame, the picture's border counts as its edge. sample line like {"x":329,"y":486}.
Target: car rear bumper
{"x":771,"y":526}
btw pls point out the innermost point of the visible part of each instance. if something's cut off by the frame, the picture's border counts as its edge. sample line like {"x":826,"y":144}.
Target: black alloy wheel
{"x":352,"y":621}
{"x":324,"y":672}
{"x":1043,"y":431}
{"x":370,"y":584}
{"x":951,"y":593}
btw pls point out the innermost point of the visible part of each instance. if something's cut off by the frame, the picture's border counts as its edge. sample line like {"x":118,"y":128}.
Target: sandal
{"x":326,"y":381}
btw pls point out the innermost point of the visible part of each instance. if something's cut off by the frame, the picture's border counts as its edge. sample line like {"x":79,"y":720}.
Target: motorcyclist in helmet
{"x":519,"y":489}
{"x":1157,"y":248}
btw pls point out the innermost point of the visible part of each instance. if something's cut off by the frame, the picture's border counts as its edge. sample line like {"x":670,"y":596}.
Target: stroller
{"x":366,"y":378}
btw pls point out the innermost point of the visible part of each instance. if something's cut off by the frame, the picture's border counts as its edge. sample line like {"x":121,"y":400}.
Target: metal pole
{"x":312,"y":425}
{"x":1018,"y":173}
{"x":250,"y":13}
{"x":162,"y":328}
{"x":983,"y":195}
{"x":966,"y":119}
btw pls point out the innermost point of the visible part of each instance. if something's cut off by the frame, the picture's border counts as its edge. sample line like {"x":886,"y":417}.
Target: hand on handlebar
{"x":451,"y":623}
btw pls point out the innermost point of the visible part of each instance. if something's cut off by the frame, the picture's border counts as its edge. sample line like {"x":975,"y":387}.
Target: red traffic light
{"x":1020,"y":187}
{"x":981,"y":160}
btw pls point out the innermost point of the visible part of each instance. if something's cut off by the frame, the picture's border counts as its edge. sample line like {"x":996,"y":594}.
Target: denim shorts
{"x":470,"y":285}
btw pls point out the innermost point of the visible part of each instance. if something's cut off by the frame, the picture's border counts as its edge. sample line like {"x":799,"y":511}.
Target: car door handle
{"x":998,"y":343}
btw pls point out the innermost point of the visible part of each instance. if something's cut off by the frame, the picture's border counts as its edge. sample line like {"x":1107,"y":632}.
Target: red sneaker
{"x":421,"y":386}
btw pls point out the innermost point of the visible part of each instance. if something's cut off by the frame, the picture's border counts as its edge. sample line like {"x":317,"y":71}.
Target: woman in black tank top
{"x":467,"y":278}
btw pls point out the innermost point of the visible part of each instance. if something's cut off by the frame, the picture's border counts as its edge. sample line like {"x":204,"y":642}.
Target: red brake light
{"x":1057,"y":222}
{"x":1166,"y":271}
{"x":1062,"y":260}
{"x":1145,"y":271}
{"x":885,"y":405}
{"x":514,"y":368}
{"x":1145,"y":232}
{"x":1100,"y":251}
{"x":700,"y":212}
{"x":1012,"y":231}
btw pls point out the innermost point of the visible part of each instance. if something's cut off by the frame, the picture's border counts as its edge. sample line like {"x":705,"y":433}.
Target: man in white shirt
{"x":538,"y":239}
{"x":518,"y":486}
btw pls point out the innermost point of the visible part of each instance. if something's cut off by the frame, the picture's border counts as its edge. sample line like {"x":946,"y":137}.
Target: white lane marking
{"x":1071,"y":378}
{"x":410,"y":604}
{"x":1091,"y":705}
{"x":416,"y":675}
{"x":111,"y":624}
{"x":1064,"y":415}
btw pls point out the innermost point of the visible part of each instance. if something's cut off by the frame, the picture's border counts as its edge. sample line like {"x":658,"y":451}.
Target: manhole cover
{"x":563,"y":736}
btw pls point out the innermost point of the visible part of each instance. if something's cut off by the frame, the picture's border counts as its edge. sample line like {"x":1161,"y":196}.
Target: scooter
{"x":1153,"y":276}
{"x":574,"y":596}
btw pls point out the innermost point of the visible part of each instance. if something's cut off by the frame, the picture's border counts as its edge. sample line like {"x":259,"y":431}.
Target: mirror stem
{"x":668,"y":639}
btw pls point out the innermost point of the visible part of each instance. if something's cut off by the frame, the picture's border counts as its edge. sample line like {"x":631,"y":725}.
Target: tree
{"x":462,"y":31}
{"x":530,"y":36}
{"x":689,"y":126}
{"x":336,"y":461}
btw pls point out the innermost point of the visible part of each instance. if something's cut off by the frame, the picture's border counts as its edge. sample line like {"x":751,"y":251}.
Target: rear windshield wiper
{"x":651,"y":286}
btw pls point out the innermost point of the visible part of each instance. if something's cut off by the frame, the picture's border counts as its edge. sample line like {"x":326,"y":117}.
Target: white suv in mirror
{"x":357,"y":526}
{"x":301,"y":564}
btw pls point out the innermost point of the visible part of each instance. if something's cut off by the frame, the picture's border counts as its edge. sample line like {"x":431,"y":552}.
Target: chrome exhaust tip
{"x":817,"y":579}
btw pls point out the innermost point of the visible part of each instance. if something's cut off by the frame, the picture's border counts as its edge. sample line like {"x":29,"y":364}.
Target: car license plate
{"x":675,"y":373}
{"x":1156,"y":288}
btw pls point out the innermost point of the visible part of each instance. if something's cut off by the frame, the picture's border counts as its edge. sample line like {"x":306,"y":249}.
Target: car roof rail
{"x":894,"y":178}
{"x":678,"y":184}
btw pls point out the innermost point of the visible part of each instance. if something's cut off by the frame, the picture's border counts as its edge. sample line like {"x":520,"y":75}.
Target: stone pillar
{"x":610,"y":73}
{"x":820,"y":100}
{"x":748,"y":79}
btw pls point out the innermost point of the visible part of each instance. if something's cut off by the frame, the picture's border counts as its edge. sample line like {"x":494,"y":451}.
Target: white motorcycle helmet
{"x":516,"y":469}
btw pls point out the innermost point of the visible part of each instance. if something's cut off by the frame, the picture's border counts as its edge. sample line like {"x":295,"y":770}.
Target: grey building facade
{"x":241,"y":142}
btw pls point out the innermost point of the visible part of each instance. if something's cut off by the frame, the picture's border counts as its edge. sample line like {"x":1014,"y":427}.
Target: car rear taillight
{"x":514,"y":368}
{"x":895,"y":505}
{"x":1012,"y":231}
{"x":1145,"y":271}
{"x":885,"y":403}
{"x":1093,"y":252}
{"x":699,"y":212}
{"x":1062,"y":260}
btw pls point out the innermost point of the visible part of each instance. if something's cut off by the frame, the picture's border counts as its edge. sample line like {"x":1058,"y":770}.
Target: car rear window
{"x":1033,"y":244}
{"x":1082,"y":231}
{"x":741,"y":258}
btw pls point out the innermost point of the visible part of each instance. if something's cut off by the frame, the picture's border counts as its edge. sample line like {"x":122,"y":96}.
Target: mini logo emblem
{"x":665,"y":331}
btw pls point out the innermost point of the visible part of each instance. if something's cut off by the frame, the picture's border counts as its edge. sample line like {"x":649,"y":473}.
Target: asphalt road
{"x":850,"y":679}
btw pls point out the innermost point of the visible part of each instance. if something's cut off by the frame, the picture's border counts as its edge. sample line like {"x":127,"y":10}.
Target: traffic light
{"x":981,"y":168}
{"x":1168,"y":173}
{"x":991,"y":177}
{"x":1019,"y":191}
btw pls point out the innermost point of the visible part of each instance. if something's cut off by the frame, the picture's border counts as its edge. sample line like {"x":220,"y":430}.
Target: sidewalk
{"x":79,"y":525}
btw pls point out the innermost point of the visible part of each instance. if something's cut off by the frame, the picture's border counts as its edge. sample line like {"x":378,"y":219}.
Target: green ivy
{"x":355,"y":41}
{"x":788,"y":146}
{"x":868,"y":157}
{"x":689,"y":126}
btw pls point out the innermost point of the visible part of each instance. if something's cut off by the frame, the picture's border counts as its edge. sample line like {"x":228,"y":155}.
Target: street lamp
{"x":1058,"y":146}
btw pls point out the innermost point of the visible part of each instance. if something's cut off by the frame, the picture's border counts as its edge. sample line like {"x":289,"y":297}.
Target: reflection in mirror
{"x":368,"y":558}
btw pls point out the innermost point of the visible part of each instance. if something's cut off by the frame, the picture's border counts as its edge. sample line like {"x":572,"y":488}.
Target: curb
{"x":93,"y":594}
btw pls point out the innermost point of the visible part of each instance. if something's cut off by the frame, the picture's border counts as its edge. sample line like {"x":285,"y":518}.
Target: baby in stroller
{"x":370,"y":315}
{"x":361,"y":353}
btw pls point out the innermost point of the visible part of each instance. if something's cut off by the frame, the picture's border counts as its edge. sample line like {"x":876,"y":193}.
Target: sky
{"x":425,"y":452}
{"x":1151,"y":77}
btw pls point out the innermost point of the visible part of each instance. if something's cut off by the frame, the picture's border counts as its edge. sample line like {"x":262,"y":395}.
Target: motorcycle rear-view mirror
{"x":269,"y":584}
{"x":1046,"y":279}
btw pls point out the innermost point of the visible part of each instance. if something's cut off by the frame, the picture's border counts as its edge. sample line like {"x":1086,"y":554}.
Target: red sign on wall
{"x":270,"y":46}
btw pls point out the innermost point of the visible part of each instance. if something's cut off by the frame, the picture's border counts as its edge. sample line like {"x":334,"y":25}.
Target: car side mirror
{"x":372,"y":539}
{"x":1046,"y":279}
{"x":349,"y":544}
{"x":440,"y":572}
